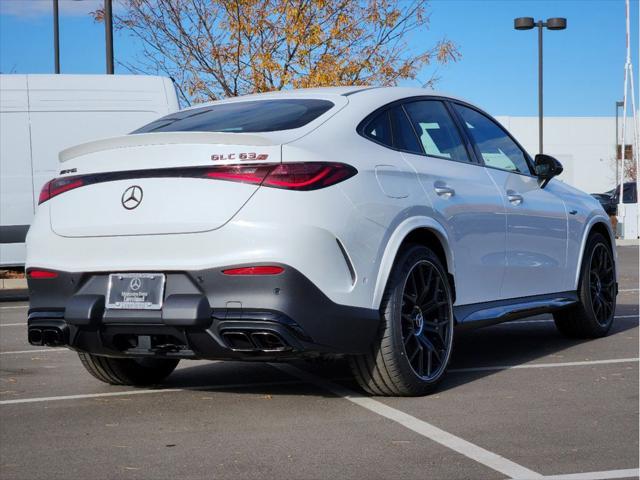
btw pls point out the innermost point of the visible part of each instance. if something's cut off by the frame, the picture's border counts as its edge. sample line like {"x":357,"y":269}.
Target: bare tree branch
{"x":217,"y":48}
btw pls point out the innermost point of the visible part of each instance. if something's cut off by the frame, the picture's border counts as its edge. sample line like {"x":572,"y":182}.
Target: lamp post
{"x":56,"y":37}
{"x":108,"y":34}
{"x":527,"y":23}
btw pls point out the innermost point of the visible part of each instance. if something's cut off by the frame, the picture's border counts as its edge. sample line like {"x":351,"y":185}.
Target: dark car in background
{"x":609,"y":200}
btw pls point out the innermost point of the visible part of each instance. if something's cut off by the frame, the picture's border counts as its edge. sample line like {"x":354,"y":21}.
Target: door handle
{"x":514,"y":197}
{"x":443,"y":190}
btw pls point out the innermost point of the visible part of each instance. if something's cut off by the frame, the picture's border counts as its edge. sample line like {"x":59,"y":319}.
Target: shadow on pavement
{"x":499,"y":345}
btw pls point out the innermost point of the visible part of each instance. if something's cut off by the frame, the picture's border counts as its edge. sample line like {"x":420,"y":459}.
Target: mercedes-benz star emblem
{"x":135,"y":284}
{"x":132,"y":197}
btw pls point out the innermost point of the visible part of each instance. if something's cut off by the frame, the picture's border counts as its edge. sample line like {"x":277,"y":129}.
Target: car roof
{"x":357,"y":94}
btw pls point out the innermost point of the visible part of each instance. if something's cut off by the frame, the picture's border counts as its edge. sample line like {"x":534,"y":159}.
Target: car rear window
{"x":240,"y":117}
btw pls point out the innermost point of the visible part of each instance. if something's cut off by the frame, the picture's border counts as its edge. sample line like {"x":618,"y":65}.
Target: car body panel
{"x":536,"y":248}
{"x":474,"y":219}
{"x":342,"y":239}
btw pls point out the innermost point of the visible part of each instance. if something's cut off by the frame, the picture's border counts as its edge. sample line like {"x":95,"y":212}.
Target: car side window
{"x":498,"y":150}
{"x":404,"y":137}
{"x":437,"y":131}
{"x":379,"y":129}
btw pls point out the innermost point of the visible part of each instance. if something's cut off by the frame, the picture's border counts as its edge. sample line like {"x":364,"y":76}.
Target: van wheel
{"x":414,"y":343}
{"x":128,"y":371}
{"x":593,"y":316}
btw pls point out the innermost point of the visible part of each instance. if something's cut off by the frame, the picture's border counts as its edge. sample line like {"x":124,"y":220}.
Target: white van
{"x":40,"y":115}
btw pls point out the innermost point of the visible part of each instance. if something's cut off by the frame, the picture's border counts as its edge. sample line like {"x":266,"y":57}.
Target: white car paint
{"x":192,"y":224}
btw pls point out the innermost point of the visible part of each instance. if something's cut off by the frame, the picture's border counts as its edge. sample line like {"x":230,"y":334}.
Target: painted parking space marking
{"x":545,"y":365}
{"x":605,"y":475}
{"x":125,"y":393}
{"x":13,"y":324}
{"x":13,"y":307}
{"x":20,"y":352}
{"x":457,"y":444}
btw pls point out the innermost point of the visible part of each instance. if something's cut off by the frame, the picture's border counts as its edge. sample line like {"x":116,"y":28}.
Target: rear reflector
{"x":262,"y":270}
{"x":41,"y":274}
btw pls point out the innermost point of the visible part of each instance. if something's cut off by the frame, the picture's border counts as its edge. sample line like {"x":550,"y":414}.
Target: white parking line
{"x":629,"y":290}
{"x":125,"y":393}
{"x":18,"y":352}
{"x":14,"y":307}
{"x":12,"y":324}
{"x":609,"y":474}
{"x":457,"y":444}
{"x":545,"y":365}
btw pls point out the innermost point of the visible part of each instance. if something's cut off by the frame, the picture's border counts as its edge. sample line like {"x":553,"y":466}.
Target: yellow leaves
{"x":243,"y":46}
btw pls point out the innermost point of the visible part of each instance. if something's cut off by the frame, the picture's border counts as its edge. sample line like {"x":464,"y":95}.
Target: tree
{"x":221,"y":48}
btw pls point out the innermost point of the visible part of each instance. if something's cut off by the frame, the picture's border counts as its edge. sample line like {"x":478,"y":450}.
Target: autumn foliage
{"x":220,"y":48}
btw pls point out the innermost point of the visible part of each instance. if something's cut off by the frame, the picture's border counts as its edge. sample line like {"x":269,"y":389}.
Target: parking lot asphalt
{"x":520,"y":401}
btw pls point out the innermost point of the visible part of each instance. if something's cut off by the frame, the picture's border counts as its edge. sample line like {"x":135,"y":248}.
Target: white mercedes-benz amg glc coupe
{"x":362,"y":222}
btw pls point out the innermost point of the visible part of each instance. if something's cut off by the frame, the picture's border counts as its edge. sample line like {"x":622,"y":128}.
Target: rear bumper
{"x":205,"y":314}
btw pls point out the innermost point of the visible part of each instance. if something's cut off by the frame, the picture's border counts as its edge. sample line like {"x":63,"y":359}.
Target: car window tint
{"x":239,"y":117}
{"x":379,"y":129}
{"x":438,"y":134}
{"x":498,"y":150}
{"x":404,"y":137}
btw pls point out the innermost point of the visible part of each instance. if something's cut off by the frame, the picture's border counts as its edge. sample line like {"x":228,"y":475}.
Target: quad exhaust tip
{"x":47,"y":336}
{"x":255,"y":341}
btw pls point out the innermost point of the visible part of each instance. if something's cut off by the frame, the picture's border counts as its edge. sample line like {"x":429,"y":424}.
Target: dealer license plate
{"x":135,"y":291}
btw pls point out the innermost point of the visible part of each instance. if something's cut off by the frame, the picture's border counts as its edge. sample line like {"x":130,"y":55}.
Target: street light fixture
{"x":527,"y":23}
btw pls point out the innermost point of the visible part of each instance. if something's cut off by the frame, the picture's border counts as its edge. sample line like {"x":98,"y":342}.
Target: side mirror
{"x":546,"y":168}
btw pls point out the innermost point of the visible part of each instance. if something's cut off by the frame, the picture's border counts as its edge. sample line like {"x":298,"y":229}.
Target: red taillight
{"x":261,"y":270}
{"x":308,"y":176}
{"x":289,"y":176}
{"x":57,"y":186}
{"x":241,"y":173}
{"x":41,"y":274}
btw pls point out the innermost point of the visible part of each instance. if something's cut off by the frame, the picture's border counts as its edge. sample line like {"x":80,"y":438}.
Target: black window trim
{"x":475,"y":155}
{"x":478,"y":153}
{"x":371,"y":118}
{"x":471,"y":153}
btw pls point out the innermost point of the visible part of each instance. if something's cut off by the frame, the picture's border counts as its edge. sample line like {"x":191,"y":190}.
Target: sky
{"x":584,"y":64}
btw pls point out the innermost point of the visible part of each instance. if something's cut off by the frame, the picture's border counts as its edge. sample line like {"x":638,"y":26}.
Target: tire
{"x":593,"y":316}
{"x":128,"y":371}
{"x":414,"y":343}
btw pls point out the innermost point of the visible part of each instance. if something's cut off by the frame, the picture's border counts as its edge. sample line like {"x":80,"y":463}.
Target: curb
{"x":13,"y":284}
{"x":621,"y":242}
{"x":13,"y":290}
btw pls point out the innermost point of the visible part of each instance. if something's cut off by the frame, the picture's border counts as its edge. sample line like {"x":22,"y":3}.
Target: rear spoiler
{"x":164,"y":138}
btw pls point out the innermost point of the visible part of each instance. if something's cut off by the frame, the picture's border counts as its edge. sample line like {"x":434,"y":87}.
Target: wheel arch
{"x":597,"y":224}
{"x":423,"y":231}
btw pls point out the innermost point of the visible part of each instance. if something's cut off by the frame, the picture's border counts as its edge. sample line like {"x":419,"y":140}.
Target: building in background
{"x":585,"y":146}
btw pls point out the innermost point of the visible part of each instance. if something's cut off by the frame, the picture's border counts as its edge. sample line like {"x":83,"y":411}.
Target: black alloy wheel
{"x":426,"y":323}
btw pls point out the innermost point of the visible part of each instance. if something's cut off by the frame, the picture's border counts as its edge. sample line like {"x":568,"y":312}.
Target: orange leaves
{"x":216,"y":48}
